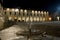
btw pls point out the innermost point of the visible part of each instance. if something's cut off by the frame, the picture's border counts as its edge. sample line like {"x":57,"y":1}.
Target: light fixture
{"x":38,"y":11}
{"x":50,"y":18}
{"x":10,"y":18}
{"x":32,"y":11}
{"x":41,"y":12}
{"x":35,"y":11}
{"x":7,"y":9}
{"x":25,"y":11}
{"x":13,"y":9}
{"x":44,"y":12}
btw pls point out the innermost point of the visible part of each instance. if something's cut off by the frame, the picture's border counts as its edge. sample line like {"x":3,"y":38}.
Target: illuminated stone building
{"x":26,"y":15}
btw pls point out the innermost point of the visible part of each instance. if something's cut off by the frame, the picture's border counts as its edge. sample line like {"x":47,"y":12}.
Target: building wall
{"x":26,"y":15}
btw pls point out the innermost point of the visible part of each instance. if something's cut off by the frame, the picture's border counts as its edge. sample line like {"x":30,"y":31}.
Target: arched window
{"x":15,"y":13}
{"x":31,"y":14}
{"x":10,"y":13}
{"x":37,"y":14}
{"x":19,"y":13}
{"x":27,"y":14}
{"x":5,"y":13}
{"x":23,"y":14}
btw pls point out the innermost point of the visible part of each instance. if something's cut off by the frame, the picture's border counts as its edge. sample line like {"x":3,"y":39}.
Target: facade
{"x":26,"y":15}
{"x":19,"y":15}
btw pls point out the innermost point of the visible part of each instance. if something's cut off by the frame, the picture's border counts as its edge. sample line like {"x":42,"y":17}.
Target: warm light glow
{"x":25,"y":11}
{"x":1,"y":18}
{"x":10,"y":18}
{"x":45,"y":12}
{"x":35,"y":11}
{"x":34,"y":18}
{"x":58,"y":18}
{"x":32,"y":11}
{"x":39,"y":12}
{"x":50,"y":18}
{"x":13,"y":9}
{"x":31,"y":19}
{"x":43,"y":19}
{"x":21,"y":10}
{"x":23,"y":18}
{"x":16,"y":10}
{"x":37,"y":18}
{"x":19,"y":18}
{"x":7,"y":9}
{"x":27,"y":19}
{"x":15,"y":17}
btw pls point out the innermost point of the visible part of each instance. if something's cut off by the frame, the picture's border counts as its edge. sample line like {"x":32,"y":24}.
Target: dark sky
{"x":33,"y":4}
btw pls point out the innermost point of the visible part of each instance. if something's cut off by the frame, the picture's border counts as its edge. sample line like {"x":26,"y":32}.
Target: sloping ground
{"x":10,"y":33}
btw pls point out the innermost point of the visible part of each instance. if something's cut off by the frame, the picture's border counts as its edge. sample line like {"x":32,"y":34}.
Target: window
{"x":40,"y":15}
{"x":19,"y":14}
{"x":15,"y":13}
{"x":10,"y":13}
{"x":37,"y":14}
{"x":23,"y":14}
{"x":5,"y":13}
{"x":27,"y":14}
{"x":15,"y":19}
{"x":34,"y":14}
{"x":31,"y":14}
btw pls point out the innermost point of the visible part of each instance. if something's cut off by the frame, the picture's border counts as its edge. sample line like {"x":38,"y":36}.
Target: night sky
{"x":49,"y":5}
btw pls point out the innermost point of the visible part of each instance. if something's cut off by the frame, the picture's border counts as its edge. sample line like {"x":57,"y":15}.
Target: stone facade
{"x":26,"y":15}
